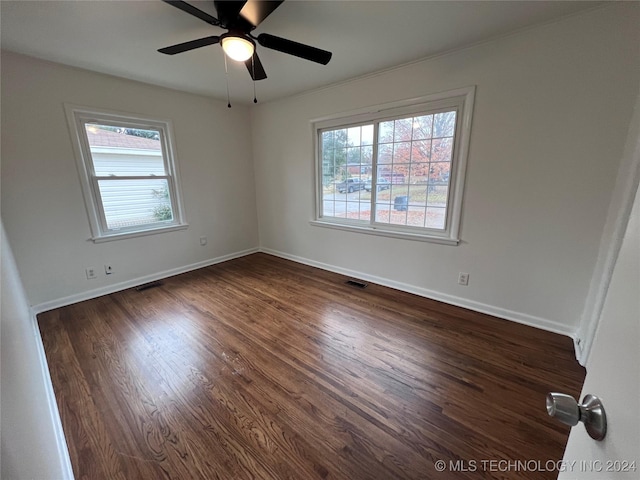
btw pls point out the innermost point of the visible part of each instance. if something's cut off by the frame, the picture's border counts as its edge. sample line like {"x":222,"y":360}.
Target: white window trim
{"x":451,"y":236}
{"x":77,"y":115}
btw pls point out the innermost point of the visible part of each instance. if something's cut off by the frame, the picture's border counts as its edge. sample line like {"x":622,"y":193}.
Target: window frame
{"x":462,"y":100}
{"x":77,"y":118}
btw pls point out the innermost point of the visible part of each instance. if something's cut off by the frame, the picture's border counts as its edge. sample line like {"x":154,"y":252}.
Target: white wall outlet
{"x":203,"y":241}
{"x":108,"y":269}
{"x":91,"y":273}
{"x":463,"y":279}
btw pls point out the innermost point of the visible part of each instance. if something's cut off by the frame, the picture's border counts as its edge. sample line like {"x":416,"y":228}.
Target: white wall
{"x":42,"y":205}
{"x":552,"y":108}
{"x":620,"y":206}
{"x":613,"y":374}
{"x":32,"y":444}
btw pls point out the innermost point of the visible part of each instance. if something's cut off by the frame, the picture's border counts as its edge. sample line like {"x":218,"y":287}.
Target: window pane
{"x":353,"y":155}
{"x":418,"y":195}
{"x":437,"y":195}
{"x":439,"y":173}
{"x":333,"y":155}
{"x":346,"y":166}
{"x":383,"y":212}
{"x":401,"y":189}
{"x":419,"y":173}
{"x":436,"y":217}
{"x":421,"y":151}
{"x":402,"y":130}
{"x":422,"y":127}
{"x":402,"y":152}
{"x":328,"y":142}
{"x":442,"y":150}
{"x":129,"y":203}
{"x":396,"y":174}
{"x":124,"y":151}
{"x":383,"y":195}
{"x":398,"y":214}
{"x":444,"y":124}
{"x":405,"y":205}
{"x":340,"y":139}
{"x":367,"y":135}
{"x":385,"y":153}
{"x":353,"y":210}
{"x":353,"y":136}
{"x":328,"y":170}
{"x":385,"y":132}
{"x":367,"y":156}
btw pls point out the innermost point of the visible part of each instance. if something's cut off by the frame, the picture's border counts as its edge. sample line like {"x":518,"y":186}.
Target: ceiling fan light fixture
{"x":237,"y":47}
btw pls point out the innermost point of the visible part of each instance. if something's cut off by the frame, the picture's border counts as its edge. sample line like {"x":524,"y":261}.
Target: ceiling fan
{"x":240,"y":18}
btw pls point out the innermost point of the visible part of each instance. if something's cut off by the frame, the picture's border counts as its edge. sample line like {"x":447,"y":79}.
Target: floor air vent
{"x":147,"y":286}
{"x":356,"y":283}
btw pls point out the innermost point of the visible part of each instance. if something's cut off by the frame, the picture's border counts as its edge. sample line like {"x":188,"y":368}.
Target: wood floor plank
{"x":264,"y":368}
{"x":80,"y":415}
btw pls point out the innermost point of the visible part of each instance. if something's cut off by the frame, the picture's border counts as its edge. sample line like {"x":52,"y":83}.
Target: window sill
{"x":138,"y":233}
{"x":371,"y":230}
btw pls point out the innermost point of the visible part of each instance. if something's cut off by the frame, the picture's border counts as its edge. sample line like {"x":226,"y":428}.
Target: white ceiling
{"x":122,"y":37}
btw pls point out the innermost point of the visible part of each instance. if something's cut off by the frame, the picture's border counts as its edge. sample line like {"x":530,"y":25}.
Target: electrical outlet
{"x":203,"y":241}
{"x":108,"y":269}
{"x":463,"y":279}
{"x":91,"y":273}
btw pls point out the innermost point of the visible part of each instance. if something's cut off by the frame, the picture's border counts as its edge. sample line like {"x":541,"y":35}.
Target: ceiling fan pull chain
{"x":226,"y":78}
{"x":253,"y":76}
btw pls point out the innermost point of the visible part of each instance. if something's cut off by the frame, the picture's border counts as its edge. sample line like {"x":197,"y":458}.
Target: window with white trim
{"x":128,"y":173}
{"x":397,"y":169}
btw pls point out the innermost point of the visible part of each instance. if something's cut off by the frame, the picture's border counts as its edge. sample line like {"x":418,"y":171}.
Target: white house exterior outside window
{"x":396,"y":169}
{"x":128,"y":173}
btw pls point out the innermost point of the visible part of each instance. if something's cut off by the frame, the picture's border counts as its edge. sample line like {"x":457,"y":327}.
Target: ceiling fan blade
{"x":193,"y":44}
{"x":294,"y":48}
{"x":255,"y":11}
{"x":185,"y":7}
{"x":256,"y":70}
{"x":228,"y":11}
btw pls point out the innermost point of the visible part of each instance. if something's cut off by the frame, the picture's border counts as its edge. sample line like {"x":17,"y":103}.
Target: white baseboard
{"x":61,"y":448}
{"x":523,"y":318}
{"x":117,"y":287}
{"x":519,"y":317}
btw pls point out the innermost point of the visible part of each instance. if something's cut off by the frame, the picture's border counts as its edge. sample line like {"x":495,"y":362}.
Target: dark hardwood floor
{"x":264,"y":368}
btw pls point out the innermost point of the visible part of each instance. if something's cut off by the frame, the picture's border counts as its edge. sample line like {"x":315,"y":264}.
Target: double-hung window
{"x":128,"y":173}
{"x":396,"y":169}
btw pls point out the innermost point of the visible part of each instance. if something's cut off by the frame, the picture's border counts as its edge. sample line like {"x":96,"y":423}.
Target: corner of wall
{"x":622,"y":199}
{"x":30,"y":417}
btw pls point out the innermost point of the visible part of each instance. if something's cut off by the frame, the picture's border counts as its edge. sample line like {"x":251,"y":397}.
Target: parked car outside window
{"x":350,"y":185}
{"x":382,"y":184}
